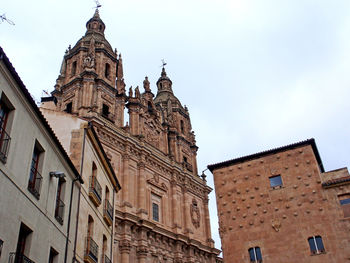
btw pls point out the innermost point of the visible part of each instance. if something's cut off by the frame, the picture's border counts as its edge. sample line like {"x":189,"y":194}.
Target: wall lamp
{"x":57,"y":174}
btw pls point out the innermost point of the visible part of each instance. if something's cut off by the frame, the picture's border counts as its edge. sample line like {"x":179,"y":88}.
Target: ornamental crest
{"x":195,"y":214}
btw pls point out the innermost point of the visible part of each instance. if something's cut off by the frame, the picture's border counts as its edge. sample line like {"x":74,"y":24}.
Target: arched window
{"x":316,"y":245}
{"x":255,"y":254}
{"x":107,"y":70}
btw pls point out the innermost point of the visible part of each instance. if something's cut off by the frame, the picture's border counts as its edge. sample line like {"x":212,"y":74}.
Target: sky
{"x":254,"y":74}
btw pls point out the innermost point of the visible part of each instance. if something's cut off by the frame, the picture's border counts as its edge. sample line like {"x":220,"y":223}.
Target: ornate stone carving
{"x":195,"y":214}
{"x":155,"y":182}
{"x":125,"y":246}
{"x":142,"y":251}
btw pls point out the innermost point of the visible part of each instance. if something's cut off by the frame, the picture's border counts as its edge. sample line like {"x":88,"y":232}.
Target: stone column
{"x":142,"y":252}
{"x":184,"y":209}
{"x":124,"y":248}
{"x":125,"y":172}
{"x":207,"y":220}
{"x":142,"y":199}
{"x":174,"y":204}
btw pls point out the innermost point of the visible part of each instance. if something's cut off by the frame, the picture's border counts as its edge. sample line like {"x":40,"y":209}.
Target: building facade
{"x":39,"y":185}
{"x":281,"y":206}
{"x":98,"y":195}
{"x":162,"y":210}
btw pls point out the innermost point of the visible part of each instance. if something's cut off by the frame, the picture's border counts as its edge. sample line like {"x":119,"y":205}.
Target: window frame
{"x":257,"y":255}
{"x":316,"y":244}
{"x":273,"y":185}
{"x":344,"y":201}
{"x":35,"y":178}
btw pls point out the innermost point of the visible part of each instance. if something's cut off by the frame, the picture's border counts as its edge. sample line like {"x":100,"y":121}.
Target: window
{"x":107,"y":70}
{"x":1,"y":244}
{"x":35,"y":178}
{"x":275,"y":181}
{"x":22,"y":244}
{"x":91,"y":251}
{"x":316,"y":245}
{"x":74,"y":68}
{"x":155,"y":212}
{"x":95,"y":189}
{"x":5,"y":109}
{"x":69,"y":107}
{"x":105,"y":110}
{"x":255,"y":254}
{"x":59,"y":210}
{"x":182,"y":126}
{"x":53,"y":256}
{"x":155,"y":202}
{"x":345,"y":204}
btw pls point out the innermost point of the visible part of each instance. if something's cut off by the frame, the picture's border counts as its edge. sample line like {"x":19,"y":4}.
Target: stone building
{"x":39,"y":185}
{"x":98,"y":195}
{"x":162,"y":210}
{"x":281,"y":206}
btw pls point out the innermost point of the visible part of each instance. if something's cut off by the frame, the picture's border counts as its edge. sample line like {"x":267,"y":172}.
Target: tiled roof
{"x":336,"y":181}
{"x":311,"y":142}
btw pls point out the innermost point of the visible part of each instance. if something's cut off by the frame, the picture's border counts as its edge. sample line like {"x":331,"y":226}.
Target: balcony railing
{"x":19,"y":258}
{"x":108,"y":211}
{"x":91,"y":252}
{"x":34,"y":183}
{"x":5,"y":140}
{"x":106,"y":259}
{"x":95,"y":191}
{"x":59,"y":211}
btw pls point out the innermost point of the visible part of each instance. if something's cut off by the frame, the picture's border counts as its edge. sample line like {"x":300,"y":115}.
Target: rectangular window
{"x":155,"y":212}
{"x":59,"y":209}
{"x":35,"y":177}
{"x":275,"y":181}
{"x":255,"y":255}
{"x":345,"y":204}
{"x":5,"y":109}
{"x":22,"y":245}
{"x":53,"y":256}
{"x":1,"y":244}
{"x":316,"y":245}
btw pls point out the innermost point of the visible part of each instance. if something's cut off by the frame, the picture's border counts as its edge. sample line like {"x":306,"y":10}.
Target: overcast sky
{"x":254,"y":74}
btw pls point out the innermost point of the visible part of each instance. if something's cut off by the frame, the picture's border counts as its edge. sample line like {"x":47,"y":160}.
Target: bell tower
{"x":91,"y":78}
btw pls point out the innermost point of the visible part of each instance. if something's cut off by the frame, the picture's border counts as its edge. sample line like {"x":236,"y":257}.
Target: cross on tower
{"x":98,"y":5}
{"x":163,"y":63}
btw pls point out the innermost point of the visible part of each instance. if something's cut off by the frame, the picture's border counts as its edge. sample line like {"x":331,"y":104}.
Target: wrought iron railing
{"x":108,"y":209}
{"x":95,"y":187}
{"x":5,"y":140}
{"x":34,"y":183}
{"x":19,"y":258}
{"x":59,"y":211}
{"x":91,"y":250}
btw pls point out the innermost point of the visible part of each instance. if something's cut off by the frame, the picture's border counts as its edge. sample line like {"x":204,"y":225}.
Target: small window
{"x":35,"y":177}
{"x":316,"y":245}
{"x":59,"y":210}
{"x":53,"y":256}
{"x":74,"y":68}
{"x":255,"y":254}
{"x":69,"y":107}
{"x":107,"y":70}
{"x":5,"y":139}
{"x":276,"y":181}
{"x":155,"y":212}
{"x":345,"y":204}
{"x":23,"y":244}
{"x":1,"y":244}
{"x":182,"y":126}
{"x":105,"y":110}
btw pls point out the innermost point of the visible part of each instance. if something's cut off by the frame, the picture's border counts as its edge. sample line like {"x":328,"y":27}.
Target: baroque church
{"x":161,"y":212}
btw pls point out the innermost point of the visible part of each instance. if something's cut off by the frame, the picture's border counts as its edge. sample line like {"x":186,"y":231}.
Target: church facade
{"x":161,"y":212}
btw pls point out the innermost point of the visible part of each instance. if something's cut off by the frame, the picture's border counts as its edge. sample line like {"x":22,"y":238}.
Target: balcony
{"x":91,"y":252}
{"x":59,"y":211}
{"x":106,"y":259}
{"x":34,"y":183}
{"x":95,"y":191}
{"x":108,"y":212}
{"x":19,"y":258}
{"x":5,"y":140}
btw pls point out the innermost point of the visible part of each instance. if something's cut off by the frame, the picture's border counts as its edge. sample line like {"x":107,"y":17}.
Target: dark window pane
{"x":312,"y":244}
{"x":251,"y":254}
{"x":319,"y":244}
{"x":345,"y":201}
{"x":275,"y":181}
{"x":155,"y":209}
{"x":258,"y":253}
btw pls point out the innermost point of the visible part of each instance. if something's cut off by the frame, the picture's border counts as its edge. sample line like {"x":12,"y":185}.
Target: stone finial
{"x":146,"y":85}
{"x":130,"y":92}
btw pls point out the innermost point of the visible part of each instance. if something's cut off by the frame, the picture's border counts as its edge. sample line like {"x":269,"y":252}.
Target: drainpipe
{"x":112,"y":234}
{"x":77,"y":218}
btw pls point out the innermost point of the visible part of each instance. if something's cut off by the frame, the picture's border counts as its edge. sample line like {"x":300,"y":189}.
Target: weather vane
{"x":163,"y":63}
{"x":98,"y":5}
{"x":3,"y":18}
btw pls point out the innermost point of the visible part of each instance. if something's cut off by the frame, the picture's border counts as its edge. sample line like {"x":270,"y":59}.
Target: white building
{"x":39,"y":185}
